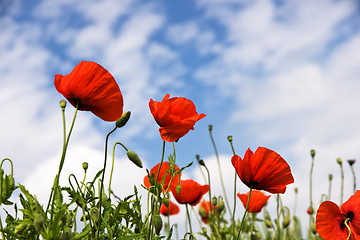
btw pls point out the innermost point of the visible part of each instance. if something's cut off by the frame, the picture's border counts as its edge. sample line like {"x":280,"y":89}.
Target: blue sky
{"x":279,"y":74}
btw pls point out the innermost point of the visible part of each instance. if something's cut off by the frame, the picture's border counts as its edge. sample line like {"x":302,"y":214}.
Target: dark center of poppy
{"x":253,"y":185}
{"x":350,"y":216}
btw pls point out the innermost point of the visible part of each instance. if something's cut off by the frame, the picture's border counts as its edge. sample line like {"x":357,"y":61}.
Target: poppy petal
{"x":352,"y":205}
{"x":191,"y":192}
{"x":257,"y":200}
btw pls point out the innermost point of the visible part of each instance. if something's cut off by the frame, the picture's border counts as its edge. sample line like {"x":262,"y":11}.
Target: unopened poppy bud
{"x":296,"y":190}
{"x":339,"y":161}
{"x":310,"y":211}
{"x":330,"y":176}
{"x":203,"y":212}
{"x":214,"y":201}
{"x":220,"y":206}
{"x":157,"y":224}
{"x":63,"y":104}
{"x":123,"y":119}
{"x":134,"y":158}
{"x":312,"y":153}
{"x":286,"y":222}
{"x":268,"y":223}
{"x":38,"y":222}
{"x":230,"y":139}
{"x":351,"y":162}
{"x":204,"y":230}
{"x":210,"y":127}
{"x":85,"y":166}
{"x":166,"y":202}
{"x":178,"y":189}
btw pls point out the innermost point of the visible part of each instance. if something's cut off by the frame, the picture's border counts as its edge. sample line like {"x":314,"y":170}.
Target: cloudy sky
{"x":279,"y":74}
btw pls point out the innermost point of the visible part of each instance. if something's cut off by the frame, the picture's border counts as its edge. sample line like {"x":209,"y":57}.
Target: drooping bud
{"x":123,"y":119}
{"x":157,"y":224}
{"x":268,"y":223}
{"x":178,"y":189}
{"x":85,"y":166}
{"x":312,"y":153}
{"x":63,"y":104}
{"x":339,"y":161}
{"x":134,"y":158}
{"x":286,"y":222}
{"x":166,"y":202}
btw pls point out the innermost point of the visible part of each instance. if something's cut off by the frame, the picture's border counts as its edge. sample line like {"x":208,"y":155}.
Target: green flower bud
{"x":203,"y":212}
{"x":166,"y":202}
{"x":330,"y":176}
{"x":339,"y":161}
{"x":296,"y":190}
{"x":214,"y":201}
{"x":230,"y":138}
{"x":134,"y":158}
{"x":85,"y":166}
{"x":268,"y":223}
{"x":178,"y":189}
{"x":123,"y":119}
{"x":63,"y":104}
{"x":220,"y":206}
{"x":312,"y":153}
{"x":204,"y":230}
{"x":157,"y":223}
{"x":210,"y":127}
{"x":286,"y":222}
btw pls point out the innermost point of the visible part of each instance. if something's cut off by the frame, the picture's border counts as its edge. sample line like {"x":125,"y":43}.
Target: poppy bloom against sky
{"x":191,"y":192}
{"x":263,"y":170}
{"x":257,"y":200}
{"x":164,"y":175}
{"x":330,"y":219}
{"x":95,"y":89}
{"x":171,"y":210}
{"x":176,"y":117}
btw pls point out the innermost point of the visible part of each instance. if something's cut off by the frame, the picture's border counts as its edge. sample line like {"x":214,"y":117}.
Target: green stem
{"x":102,"y":179}
{"x":347,"y":226}
{"x":246,"y":211}
{"x":62,"y":160}
{"x":112,"y":163}
{"x":235,"y":180}
{"x":220,"y":172}
{"x":188,"y":216}
{"x":354,"y":178}
{"x":342,"y":184}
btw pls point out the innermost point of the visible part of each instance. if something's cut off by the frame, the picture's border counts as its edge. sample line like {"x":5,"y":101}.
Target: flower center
{"x":348,"y":217}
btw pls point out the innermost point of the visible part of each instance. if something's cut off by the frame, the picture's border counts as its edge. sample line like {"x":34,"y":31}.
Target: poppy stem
{"x":112,"y":163}
{"x":246,"y":211}
{"x":188,"y":215}
{"x":102,"y":179}
{"x":62,"y":160}
{"x":230,"y":139}
{"x":339,"y":160}
{"x":354,"y":177}
{"x":220,"y":172}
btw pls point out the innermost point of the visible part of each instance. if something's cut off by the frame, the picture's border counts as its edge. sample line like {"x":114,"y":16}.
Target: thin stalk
{"x":62,"y":160}
{"x":188,"y":216}
{"x":112,"y":163}
{"x":354,"y":178}
{"x":244,"y":216}
{"x":235,"y":180}
{"x":102,"y":179}
{"x":220,"y":172}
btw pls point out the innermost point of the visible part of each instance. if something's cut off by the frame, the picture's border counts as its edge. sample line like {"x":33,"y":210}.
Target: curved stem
{"x":347,"y":226}
{"x":112,"y":163}
{"x":102,"y":179}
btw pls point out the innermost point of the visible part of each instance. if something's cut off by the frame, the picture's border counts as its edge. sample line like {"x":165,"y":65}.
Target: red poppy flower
{"x":263,"y":170}
{"x":95,"y":89}
{"x":204,"y":210}
{"x":257,"y":200}
{"x":173,"y":209}
{"x":164,"y":175}
{"x":191,"y":192}
{"x":330,"y":219}
{"x":176,"y":117}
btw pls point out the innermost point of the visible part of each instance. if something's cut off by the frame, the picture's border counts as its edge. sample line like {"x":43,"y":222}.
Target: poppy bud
{"x":178,"y":189}
{"x":339,"y":161}
{"x":134,"y":158}
{"x":296,"y":190}
{"x":166,"y":202}
{"x":312,"y":153}
{"x":204,"y":230}
{"x":210,"y":127}
{"x":310,"y":210}
{"x":38,"y":222}
{"x":214,"y":201}
{"x":203,"y":212}
{"x":351,"y":162}
{"x":157,"y":223}
{"x":123,"y":119}
{"x":220,"y":206}
{"x":230,"y":139}
{"x":330,"y":177}
{"x":268,"y":223}
{"x":85,"y":166}
{"x":286,"y":222}
{"x":63,"y":104}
